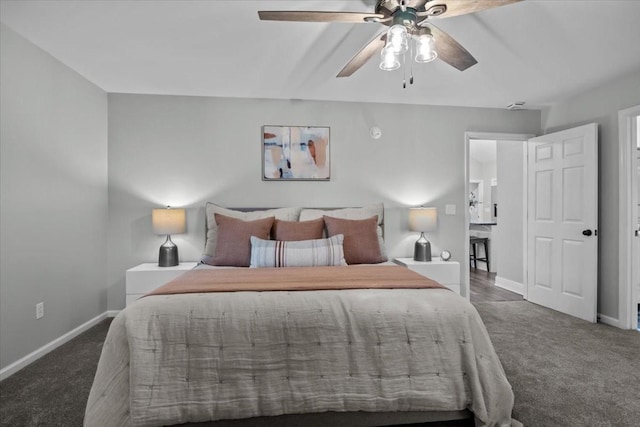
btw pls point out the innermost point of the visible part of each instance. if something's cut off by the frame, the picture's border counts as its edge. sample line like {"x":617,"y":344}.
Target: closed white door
{"x":636,"y":248}
{"x":562,"y":220}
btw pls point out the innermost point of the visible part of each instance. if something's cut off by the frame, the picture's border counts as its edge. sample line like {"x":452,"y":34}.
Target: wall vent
{"x":519,"y":105}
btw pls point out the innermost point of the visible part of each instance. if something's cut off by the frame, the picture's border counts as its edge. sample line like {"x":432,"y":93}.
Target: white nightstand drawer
{"x":446,"y":273}
{"x":144,"y":278}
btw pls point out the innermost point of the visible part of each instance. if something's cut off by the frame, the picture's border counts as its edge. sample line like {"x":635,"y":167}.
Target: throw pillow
{"x":234,"y":239}
{"x":296,"y":231}
{"x":360,"y":239}
{"x":303,"y":253}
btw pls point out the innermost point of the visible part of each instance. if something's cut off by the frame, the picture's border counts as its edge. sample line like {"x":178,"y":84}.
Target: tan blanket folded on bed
{"x":296,"y":279}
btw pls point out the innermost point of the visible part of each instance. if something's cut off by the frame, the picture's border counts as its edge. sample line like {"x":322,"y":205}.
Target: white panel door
{"x":562,"y":221}
{"x":636,"y":248}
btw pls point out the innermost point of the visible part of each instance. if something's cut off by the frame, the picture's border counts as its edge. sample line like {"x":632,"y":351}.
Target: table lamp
{"x":167,"y":222}
{"x":422,"y":219}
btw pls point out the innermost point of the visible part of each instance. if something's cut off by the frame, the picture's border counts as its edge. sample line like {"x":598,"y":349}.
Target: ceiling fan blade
{"x":303,"y":16}
{"x":450,"y":51}
{"x":462,"y":7}
{"x":370,"y":49}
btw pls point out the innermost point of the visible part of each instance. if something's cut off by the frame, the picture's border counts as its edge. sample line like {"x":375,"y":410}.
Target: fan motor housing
{"x":407,"y":13}
{"x":405,"y":17}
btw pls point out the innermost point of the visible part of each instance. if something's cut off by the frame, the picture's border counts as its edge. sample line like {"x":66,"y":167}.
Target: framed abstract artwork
{"x":295,"y":153}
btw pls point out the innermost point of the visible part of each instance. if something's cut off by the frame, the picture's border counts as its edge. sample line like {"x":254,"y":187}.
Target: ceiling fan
{"x":407,"y":20}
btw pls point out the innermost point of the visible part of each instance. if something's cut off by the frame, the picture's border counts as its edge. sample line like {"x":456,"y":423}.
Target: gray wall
{"x":509,"y":231}
{"x":53,"y":215}
{"x":184,"y":151}
{"x":601,"y":105}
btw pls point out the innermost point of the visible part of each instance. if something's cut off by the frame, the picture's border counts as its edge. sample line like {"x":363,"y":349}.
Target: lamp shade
{"x":168,"y":221}
{"x":423,"y":219}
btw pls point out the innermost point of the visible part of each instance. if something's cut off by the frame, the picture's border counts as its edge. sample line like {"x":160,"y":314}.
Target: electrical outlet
{"x":450,"y":209}
{"x":40,"y":310}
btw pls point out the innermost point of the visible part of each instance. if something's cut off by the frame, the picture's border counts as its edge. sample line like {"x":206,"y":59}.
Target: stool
{"x":473,"y":241}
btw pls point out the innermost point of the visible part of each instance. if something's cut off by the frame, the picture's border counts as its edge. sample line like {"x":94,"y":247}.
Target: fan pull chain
{"x":411,"y":66}
{"x":404,"y":71}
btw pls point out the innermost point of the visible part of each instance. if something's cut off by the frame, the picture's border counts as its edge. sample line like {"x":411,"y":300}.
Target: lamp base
{"x":422,"y":250}
{"x":168,"y":256}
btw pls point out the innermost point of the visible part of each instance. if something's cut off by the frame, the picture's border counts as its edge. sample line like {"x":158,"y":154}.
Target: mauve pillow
{"x":360,"y":239}
{"x":349,"y":213}
{"x":234,"y":239}
{"x":287,"y":214}
{"x":294,"y":231}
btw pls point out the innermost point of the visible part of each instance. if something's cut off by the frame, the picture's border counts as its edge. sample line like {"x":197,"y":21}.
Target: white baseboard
{"x":11,"y":369}
{"x":112,"y":313}
{"x":607,"y":320}
{"x":510,"y":285}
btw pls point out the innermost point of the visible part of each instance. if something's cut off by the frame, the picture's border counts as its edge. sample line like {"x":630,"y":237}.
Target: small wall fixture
{"x":375,"y":132}
{"x":167,"y":222}
{"x":422,"y":219}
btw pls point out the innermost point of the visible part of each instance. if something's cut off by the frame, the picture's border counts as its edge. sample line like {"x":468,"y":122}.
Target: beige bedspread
{"x":171,"y":359}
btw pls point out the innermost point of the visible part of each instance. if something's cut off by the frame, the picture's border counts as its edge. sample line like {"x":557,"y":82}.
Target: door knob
{"x":587,"y":232}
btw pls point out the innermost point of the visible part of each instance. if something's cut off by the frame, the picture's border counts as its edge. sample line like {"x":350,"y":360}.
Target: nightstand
{"x":446,"y":273}
{"x":144,"y":278}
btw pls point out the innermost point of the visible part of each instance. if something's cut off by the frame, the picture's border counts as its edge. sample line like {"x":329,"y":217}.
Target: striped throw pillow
{"x":303,"y":253}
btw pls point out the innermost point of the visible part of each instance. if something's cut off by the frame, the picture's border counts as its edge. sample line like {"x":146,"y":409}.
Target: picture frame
{"x":296,"y":153}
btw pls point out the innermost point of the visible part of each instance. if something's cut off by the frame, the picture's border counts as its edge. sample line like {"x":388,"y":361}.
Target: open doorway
{"x":496,"y":216}
{"x":555,"y":236}
{"x":482,"y":206}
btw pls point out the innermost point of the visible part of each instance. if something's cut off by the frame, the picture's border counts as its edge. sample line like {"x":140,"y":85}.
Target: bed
{"x":357,"y":344}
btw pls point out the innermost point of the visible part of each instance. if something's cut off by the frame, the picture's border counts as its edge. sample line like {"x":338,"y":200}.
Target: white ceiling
{"x":538,"y":51}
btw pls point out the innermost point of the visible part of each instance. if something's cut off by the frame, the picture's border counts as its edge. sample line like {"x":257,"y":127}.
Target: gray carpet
{"x":54,"y":389}
{"x":564,"y":372}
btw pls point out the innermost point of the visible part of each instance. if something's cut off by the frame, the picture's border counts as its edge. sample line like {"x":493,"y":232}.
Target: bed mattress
{"x":171,"y":359}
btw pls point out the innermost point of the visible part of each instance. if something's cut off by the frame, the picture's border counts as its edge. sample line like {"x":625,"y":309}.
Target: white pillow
{"x":284,"y":214}
{"x":303,"y":253}
{"x":352,"y":213}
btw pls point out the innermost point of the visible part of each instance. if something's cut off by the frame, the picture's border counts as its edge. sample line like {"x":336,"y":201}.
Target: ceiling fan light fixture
{"x":425,"y":48}
{"x":406,"y":19}
{"x":398,"y":38}
{"x":390,"y":60}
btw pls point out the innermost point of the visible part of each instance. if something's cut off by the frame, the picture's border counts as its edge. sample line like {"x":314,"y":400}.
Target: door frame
{"x":627,"y":313}
{"x":465,"y":289}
